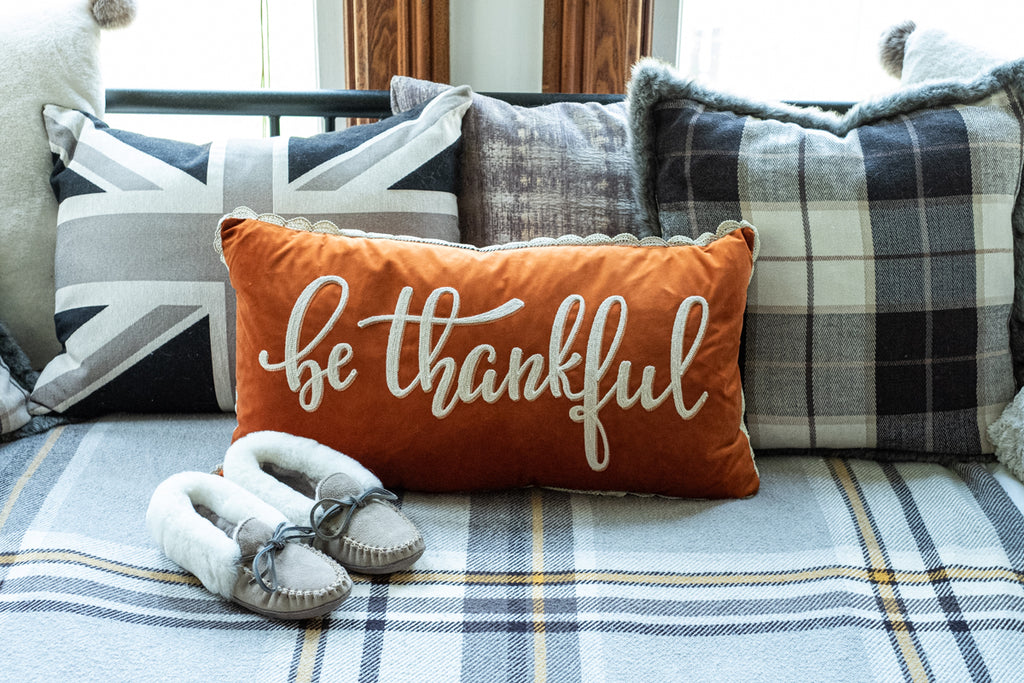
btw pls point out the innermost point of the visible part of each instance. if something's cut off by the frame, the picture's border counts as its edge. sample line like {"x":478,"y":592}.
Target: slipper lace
{"x":348,"y":505}
{"x":283,"y":534}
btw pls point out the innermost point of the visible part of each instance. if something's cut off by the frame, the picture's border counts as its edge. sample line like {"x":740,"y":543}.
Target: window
{"x":223,"y":45}
{"x":822,"y":51}
{"x":769,"y":49}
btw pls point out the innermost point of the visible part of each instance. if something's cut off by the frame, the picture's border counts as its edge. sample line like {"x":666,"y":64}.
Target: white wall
{"x":330,"y":52}
{"x":497,"y":45}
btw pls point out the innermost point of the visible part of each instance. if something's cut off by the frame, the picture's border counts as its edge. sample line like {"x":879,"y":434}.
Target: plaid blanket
{"x":837,"y":570}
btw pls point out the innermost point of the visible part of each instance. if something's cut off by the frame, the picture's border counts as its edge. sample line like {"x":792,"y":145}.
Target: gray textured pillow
{"x":543,"y":171}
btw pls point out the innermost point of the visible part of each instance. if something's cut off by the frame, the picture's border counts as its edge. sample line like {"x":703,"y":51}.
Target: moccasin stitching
{"x":349,"y":543}
{"x":291,"y":592}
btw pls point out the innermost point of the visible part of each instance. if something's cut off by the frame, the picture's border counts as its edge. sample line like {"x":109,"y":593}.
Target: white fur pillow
{"x":48,"y":55}
{"x":915,"y":54}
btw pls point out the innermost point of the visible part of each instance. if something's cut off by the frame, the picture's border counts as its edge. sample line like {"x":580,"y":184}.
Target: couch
{"x":850,"y":508}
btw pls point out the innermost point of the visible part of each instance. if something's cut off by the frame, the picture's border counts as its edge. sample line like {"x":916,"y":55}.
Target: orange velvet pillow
{"x":592,"y":364}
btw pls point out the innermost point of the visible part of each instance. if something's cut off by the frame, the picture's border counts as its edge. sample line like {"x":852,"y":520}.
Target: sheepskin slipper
{"x":340,"y":499}
{"x":234,"y":542}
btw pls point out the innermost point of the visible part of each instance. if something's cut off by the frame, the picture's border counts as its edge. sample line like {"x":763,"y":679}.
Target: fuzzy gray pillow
{"x":914,"y":55}
{"x":544,"y":171}
{"x":49,"y":54}
{"x":16,"y":380}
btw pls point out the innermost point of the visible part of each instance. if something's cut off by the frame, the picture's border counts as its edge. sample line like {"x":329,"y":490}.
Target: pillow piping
{"x":303,"y":224}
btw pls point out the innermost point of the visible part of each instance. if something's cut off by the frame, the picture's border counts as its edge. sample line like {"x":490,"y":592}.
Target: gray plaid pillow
{"x":547,"y":171}
{"x":877,"y":317}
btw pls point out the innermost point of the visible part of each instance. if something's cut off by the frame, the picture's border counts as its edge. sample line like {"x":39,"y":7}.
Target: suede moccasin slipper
{"x":242,"y":549}
{"x":340,"y":499}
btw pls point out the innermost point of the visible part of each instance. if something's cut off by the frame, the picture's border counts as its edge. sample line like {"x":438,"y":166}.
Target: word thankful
{"x":453,"y":381}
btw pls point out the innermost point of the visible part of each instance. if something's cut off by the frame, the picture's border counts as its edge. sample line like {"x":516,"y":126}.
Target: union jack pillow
{"x":144,"y":310}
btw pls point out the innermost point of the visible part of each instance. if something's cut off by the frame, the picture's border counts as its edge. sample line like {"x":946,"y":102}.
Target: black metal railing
{"x":328,"y":105}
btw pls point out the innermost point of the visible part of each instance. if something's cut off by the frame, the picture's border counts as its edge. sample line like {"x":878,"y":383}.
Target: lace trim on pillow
{"x":597,"y":239}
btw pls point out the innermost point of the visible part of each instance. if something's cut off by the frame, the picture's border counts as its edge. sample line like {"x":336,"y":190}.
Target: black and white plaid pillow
{"x":878,"y":315}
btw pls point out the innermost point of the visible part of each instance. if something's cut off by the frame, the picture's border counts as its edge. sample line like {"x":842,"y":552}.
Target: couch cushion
{"x":143,"y":308}
{"x":49,"y":52}
{"x":543,"y":171}
{"x":592,"y":363}
{"x":877,"y":319}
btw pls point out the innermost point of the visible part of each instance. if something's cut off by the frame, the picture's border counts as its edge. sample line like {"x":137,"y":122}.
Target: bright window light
{"x":203,"y":45}
{"x":823,"y":51}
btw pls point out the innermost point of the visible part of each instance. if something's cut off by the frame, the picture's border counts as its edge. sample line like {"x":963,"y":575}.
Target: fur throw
{"x":1007,"y":433}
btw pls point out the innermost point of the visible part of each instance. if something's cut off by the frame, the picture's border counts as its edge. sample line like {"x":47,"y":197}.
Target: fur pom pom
{"x":892,"y":45}
{"x":1007,"y":433}
{"x":113,"y":13}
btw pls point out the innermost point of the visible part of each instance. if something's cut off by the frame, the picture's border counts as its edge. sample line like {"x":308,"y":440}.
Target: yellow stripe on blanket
{"x":29,"y":471}
{"x":73,"y":557}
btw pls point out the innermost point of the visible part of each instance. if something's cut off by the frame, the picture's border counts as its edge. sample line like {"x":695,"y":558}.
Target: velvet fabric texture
{"x":596,"y":364}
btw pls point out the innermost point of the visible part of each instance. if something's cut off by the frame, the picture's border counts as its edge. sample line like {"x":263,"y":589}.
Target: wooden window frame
{"x":590,"y":45}
{"x":384,"y":38}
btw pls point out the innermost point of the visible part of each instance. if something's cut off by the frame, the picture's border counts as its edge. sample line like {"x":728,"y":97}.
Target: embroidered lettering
{"x":476,"y":377}
{"x":311,"y":391}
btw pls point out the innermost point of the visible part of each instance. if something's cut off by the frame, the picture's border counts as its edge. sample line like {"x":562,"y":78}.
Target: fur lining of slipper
{"x":243,"y":459}
{"x":191,"y":540}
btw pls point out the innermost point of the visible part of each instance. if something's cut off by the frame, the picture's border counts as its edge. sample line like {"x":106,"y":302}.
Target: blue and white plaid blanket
{"x":838,"y":570}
